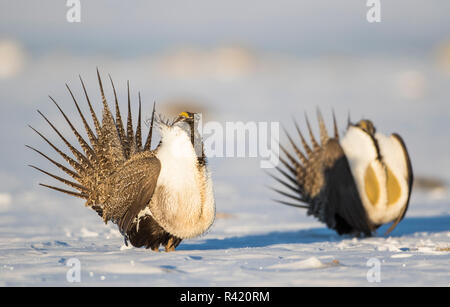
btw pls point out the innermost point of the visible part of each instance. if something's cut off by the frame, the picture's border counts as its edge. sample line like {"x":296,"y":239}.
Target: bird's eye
{"x":184,"y":114}
{"x":364,"y":125}
{"x":367,"y":126}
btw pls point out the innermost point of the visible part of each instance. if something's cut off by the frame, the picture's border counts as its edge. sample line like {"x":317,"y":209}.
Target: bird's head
{"x":188,"y":122}
{"x":367,"y":126}
{"x":185,"y":123}
{"x":184,"y":117}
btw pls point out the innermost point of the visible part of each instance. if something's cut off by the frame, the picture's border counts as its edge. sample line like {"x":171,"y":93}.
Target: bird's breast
{"x":182,"y":203}
{"x":380,"y":177}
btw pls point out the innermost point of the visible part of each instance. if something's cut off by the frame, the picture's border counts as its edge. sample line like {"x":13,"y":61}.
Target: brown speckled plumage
{"x":116,"y":174}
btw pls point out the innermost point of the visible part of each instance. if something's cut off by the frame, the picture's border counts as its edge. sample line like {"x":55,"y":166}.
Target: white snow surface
{"x":258,"y":244}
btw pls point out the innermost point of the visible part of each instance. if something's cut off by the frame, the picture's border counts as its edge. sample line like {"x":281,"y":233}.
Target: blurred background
{"x":231,"y":60}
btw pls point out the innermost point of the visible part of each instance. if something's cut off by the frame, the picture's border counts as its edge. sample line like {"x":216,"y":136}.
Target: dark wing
{"x":340,"y":200}
{"x":410,"y":183}
{"x":132,"y":190}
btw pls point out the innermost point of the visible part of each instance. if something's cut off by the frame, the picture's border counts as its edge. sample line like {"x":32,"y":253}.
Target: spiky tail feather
{"x":297,"y":175}
{"x":107,"y":148}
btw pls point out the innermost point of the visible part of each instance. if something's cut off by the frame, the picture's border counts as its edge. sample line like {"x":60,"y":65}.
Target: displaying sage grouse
{"x":156,"y":197}
{"x":353,"y":184}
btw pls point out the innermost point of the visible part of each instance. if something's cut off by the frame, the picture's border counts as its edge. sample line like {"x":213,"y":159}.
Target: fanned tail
{"x":105,"y":151}
{"x":298,"y":170}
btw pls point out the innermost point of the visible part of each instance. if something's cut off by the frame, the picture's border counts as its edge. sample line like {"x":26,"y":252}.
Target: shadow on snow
{"x":407,"y":227}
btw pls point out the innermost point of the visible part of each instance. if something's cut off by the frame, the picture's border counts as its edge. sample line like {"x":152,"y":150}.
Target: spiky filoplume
{"x":115,"y":172}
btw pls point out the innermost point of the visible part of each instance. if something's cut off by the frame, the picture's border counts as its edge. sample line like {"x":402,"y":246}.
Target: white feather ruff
{"x":184,"y":203}
{"x":361,"y":153}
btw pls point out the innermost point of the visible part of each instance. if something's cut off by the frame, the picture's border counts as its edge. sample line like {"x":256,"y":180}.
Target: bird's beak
{"x":181,"y":116}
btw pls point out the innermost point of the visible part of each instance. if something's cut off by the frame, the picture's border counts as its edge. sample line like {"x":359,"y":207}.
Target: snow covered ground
{"x":254,"y":241}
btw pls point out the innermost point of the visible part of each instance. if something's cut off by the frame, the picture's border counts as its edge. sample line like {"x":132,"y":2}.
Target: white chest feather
{"x":183,"y":202}
{"x":382,"y":185}
{"x":178,"y":161}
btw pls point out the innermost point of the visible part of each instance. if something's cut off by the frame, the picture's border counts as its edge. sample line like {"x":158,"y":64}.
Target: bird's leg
{"x":170,"y":249}
{"x":155,"y":249}
{"x":169,"y":246}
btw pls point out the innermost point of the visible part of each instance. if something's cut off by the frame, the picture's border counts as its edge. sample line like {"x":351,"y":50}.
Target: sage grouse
{"x":156,"y":197}
{"x":353,"y":184}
